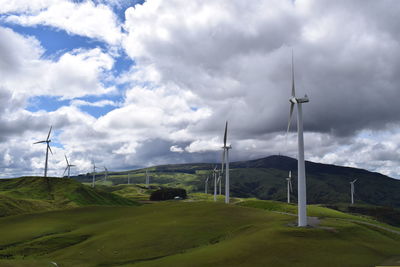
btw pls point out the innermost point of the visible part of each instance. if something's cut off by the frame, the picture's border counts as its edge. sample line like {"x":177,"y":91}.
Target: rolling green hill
{"x":30,"y":194}
{"x":193,"y":234}
{"x":265,"y":179}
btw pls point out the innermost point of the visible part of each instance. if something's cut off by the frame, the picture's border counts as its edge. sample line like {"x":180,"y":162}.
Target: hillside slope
{"x":29,"y":194}
{"x":190,"y":234}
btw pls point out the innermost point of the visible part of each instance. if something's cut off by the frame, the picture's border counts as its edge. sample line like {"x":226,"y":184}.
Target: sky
{"x":131,"y":84}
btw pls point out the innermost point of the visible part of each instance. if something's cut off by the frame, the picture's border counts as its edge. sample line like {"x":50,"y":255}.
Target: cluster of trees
{"x":166,"y":193}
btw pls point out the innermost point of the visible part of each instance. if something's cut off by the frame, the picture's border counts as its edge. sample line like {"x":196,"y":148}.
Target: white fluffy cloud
{"x":74,"y":74}
{"x":85,"y":18}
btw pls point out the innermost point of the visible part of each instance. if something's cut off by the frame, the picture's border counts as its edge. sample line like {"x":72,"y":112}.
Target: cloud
{"x":76,"y":73}
{"x":99,"y":20}
{"x":199,"y":64}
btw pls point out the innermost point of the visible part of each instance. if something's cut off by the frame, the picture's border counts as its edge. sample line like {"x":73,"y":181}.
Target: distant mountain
{"x":265,"y":179}
{"x":29,"y":194}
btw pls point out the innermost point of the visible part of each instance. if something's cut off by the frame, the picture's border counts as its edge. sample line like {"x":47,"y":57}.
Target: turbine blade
{"x":66,"y":159}
{"x":65,"y":170}
{"x":48,"y":136}
{"x":290,"y":174}
{"x":40,"y":142}
{"x":226,"y":131}
{"x":290,"y":117}
{"x":290,"y":186}
{"x":293,"y":89}
{"x":49,"y":148}
{"x":354,"y":181}
{"x":223,"y":161}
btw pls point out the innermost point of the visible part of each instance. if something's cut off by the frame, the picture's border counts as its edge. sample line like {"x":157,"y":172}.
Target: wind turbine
{"x":225,"y":159}
{"x":215,"y":172}
{"x":352,"y":191}
{"x":47,"y":141}
{"x":105,"y":174}
{"x":68,"y":166}
{"x":289,"y":186}
{"x":94,"y":174}
{"x":206,"y":186}
{"x":147,"y":179}
{"x":301,"y":184}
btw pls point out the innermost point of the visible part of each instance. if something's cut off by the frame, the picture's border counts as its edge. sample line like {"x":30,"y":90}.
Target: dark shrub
{"x":166,"y":193}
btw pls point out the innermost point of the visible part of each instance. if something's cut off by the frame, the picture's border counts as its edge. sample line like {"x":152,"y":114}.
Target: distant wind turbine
{"x":215,"y":172}
{"x":147,"y":179}
{"x":68,"y":168}
{"x":47,"y":141}
{"x":225,"y":159}
{"x":105,"y":174}
{"x":289,"y":186}
{"x":206,"y":185}
{"x":301,"y":184}
{"x":129,"y":178}
{"x":94,"y":174}
{"x":352,"y":191}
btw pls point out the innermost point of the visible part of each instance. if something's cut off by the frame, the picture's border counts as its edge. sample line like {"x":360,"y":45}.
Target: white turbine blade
{"x":290,"y":117}
{"x":48,"y":136}
{"x":65,"y":170}
{"x":226,"y":132}
{"x":40,"y":142}
{"x":293,"y":88}
{"x":290,"y":186}
{"x":290,"y":174}
{"x":49,"y":148}
{"x":66,"y":159}
{"x":354,"y":181}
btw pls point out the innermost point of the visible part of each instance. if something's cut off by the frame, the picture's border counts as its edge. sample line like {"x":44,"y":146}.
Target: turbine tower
{"x":301,"y":184}
{"x":206,"y":186}
{"x":219,"y":182}
{"x":289,"y":186}
{"x":94,"y":174}
{"x":225,"y":159}
{"x":147,"y":179}
{"x":215,"y":172}
{"x":68,"y":167}
{"x":47,"y":141}
{"x":105,"y":174}
{"x":352,"y":191}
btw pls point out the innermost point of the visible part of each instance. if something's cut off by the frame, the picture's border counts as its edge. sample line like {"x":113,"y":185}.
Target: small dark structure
{"x":167,"y":193}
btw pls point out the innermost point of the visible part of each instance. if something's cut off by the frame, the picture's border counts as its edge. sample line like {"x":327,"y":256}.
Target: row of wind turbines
{"x":217,"y":175}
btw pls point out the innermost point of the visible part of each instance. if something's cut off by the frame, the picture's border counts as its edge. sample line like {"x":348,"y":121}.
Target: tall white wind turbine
{"x":47,"y":141}
{"x":289,"y":186}
{"x":301,"y":174}
{"x":225,"y":159}
{"x":68,"y":168}
{"x":352,"y":191}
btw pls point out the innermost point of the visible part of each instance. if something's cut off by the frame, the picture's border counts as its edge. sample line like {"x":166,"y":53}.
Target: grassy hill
{"x":265,"y":179}
{"x":29,"y":194}
{"x":252,"y":233}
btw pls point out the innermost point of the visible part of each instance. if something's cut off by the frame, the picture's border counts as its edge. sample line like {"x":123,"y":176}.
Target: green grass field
{"x":197,"y":233}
